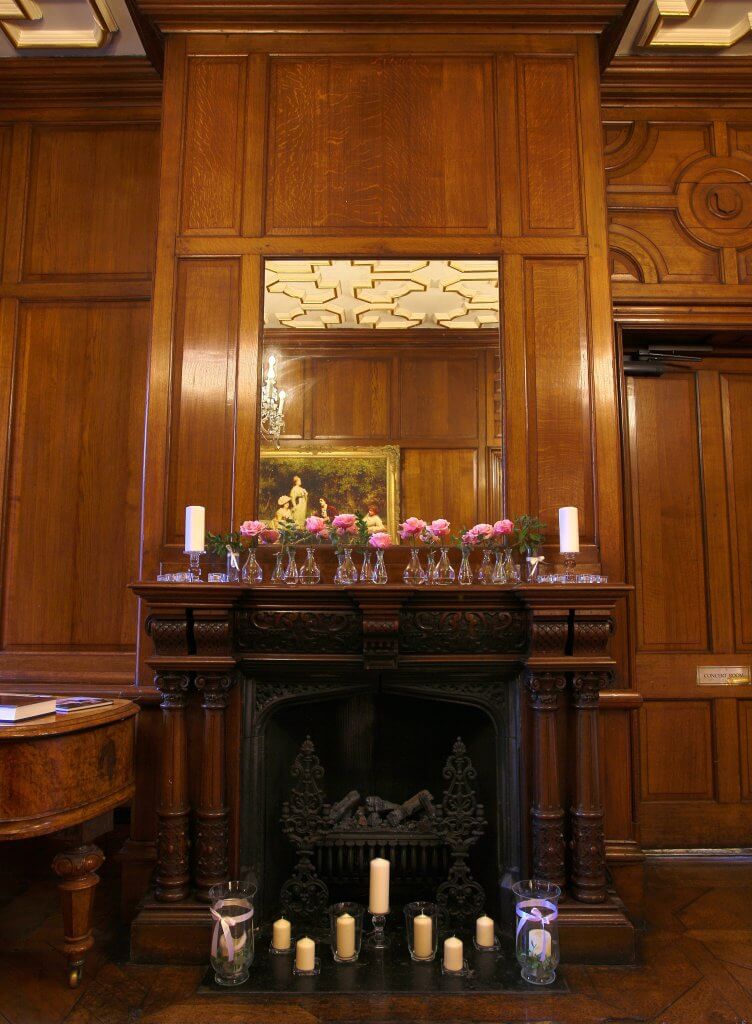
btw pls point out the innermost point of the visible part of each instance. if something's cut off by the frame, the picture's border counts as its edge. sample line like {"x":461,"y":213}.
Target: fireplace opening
{"x":430,"y":783}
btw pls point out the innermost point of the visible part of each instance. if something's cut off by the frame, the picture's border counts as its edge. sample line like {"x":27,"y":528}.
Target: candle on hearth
{"x":453,"y":958}
{"x":305,"y":955}
{"x":346,"y":936}
{"x":569,"y":530}
{"x":378,"y":899}
{"x":484,"y":931}
{"x":539,"y":943}
{"x":281,"y":934}
{"x":195,"y":520}
{"x":423,"y":936}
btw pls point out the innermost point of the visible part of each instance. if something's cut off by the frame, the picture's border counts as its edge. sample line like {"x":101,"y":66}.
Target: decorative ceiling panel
{"x":62,"y":26}
{"x":381,"y":294}
{"x":720,"y":26}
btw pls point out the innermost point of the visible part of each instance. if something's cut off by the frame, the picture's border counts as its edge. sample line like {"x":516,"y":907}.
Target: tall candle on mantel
{"x":195,"y":525}
{"x":378,"y":897}
{"x":569,"y":530}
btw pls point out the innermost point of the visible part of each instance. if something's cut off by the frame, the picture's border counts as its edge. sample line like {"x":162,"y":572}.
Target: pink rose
{"x":315,"y":525}
{"x":469,"y":539}
{"x":269,"y":536}
{"x":503,"y":527}
{"x":483,"y":531}
{"x":411,"y":528}
{"x":252,"y":528}
{"x":380,"y":541}
{"x":345,"y":523}
{"x":439,"y":529}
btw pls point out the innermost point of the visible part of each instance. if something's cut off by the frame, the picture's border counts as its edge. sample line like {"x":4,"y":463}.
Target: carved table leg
{"x":547,"y":813}
{"x":77,"y":869}
{"x":588,"y":850}
{"x":211,"y":812}
{"x":173,"y":876}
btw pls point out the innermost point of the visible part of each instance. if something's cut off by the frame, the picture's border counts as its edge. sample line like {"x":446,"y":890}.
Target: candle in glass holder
{"x":423,"y":936}
{"x":484,"y":931}
{"x":378,"y":901}
{"x":305,"y":955}
{"x":539,"y":943}
{"x":453,"y":958}
{"x":346,"y":936}
{"x":281,"y":934}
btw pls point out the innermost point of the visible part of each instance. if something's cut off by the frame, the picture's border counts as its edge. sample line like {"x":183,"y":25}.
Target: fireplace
{"x":384,"y":681}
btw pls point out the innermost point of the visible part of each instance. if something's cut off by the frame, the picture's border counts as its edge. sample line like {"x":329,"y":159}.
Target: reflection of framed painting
{"x":297,"y":483}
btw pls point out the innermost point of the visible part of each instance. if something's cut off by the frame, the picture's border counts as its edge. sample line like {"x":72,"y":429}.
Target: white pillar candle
{"x":195,"y":521}
{"x":282,"y":397}
{"x":484,"y":931}
{"x":453,"y":959}
{"x":346,"y":936}
{"x":422,"y":935}
{"x":569,"y":530}
{"x":378,"y":900}
{"x":539,"y":943}
{"x":281,"y":934}
{"x":305,"y":954}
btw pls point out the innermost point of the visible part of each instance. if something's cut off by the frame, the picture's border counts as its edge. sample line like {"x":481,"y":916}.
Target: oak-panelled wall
{"x":78,"y":211}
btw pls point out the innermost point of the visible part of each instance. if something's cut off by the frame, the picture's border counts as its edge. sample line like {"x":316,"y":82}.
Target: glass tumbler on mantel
{"x":536,"y":930}
{"x":421,"y":927}
{"x":231,"y":910}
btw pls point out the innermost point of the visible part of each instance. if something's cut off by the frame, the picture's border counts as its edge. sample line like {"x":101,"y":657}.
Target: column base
{"x":599,"y":933}
{"x":174,"y":933}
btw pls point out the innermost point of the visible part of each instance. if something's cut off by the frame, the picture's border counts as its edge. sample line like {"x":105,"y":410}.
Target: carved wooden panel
{"x":91,"y":208}
{"x":677,"y":750}
{"x":560,"y":447}
{"x":351,"y":398}
{"x":439,"y":397}
{"x":202,"y":417}
{"x":405,"y":137}
{"x":549,"y":146}
{"x":668,"y":513}
{"x":440,"y":482}
{"x":736,"y":393}
{"x":213,"y":146}
{"x":74,"y":498}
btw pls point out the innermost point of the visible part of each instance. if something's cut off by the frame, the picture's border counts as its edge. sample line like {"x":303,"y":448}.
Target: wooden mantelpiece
{"x":551,"y":640}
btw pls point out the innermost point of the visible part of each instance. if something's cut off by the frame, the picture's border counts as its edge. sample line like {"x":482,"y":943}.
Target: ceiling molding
{"x":34,"y":36}
{"x":150,"y":36}
{"x":591,"y":16}
{"x":69,"y":80}
{"x":25,"y":9}
{"x":668,"y":81}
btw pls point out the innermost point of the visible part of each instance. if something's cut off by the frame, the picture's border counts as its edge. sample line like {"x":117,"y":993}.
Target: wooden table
{"x":67,"y":773}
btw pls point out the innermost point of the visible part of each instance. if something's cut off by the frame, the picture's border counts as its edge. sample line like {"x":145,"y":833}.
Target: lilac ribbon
{"x":536,"y":914}
{"x":226,"y":924}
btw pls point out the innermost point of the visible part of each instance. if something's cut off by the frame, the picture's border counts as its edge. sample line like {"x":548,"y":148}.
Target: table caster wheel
{"x":74,"y":975}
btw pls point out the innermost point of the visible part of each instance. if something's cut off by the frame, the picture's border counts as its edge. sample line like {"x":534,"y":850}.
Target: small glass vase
{"x":531,"y":567}
{"x":486,"y":571}
{"x":536,"y":930}
{"x":346,"y":931}
{"x":233,"y":567}
{"x":291,"y":569}
{"x":430,"y":566}
{"x":278,"y":573}
{"x":309,"y":571}
{"x":252,"y":571}
{"x":444,"y":574}
{"x":231,"y":909}
{"x":379,"y":574}
{"x":465,"y":575}
{"x":502,"y":566}
{"x":423,"y":938}
{"x":366,"y":571}
{"x":347,"y":571}
{"x":414,"y":574}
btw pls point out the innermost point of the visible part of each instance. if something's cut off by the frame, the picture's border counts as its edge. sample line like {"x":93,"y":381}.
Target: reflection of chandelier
{"x":272,"y":405}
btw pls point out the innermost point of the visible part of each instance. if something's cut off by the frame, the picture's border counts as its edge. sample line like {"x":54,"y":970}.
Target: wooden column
{"x":588,"y":849}
{"x":173,"y":875}
{"x":546,"y":812}
{"x":212,"y":864}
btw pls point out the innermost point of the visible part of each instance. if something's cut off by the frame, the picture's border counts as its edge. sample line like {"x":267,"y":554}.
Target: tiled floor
{"x":696,"y":968}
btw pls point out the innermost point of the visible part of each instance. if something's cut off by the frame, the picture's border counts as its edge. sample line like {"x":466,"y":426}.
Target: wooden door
{"x":690,"y":477}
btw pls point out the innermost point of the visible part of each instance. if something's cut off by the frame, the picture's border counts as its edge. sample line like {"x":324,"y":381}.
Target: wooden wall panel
{"x":383,"y":142}
{"x":6,"y":142}
{"x":737,"y":416}
{"x":214,"y":146}
{"x":558,"y":375}
{"x":440,"y":398}
{"x":202,"y":405}
{"x":668,"y":511}
{"x":91,"y":210}
{"x":616,"y":756}
{"x":677,"y":750}
{"x":549,"y":146}
{"x":72,"y":541}
{"x":745,"y":746}
{"x":440,"y":483}
{"x":350,"y":398}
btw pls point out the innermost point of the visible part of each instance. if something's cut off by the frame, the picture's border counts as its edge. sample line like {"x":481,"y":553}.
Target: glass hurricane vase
{"x":536,"y":931}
